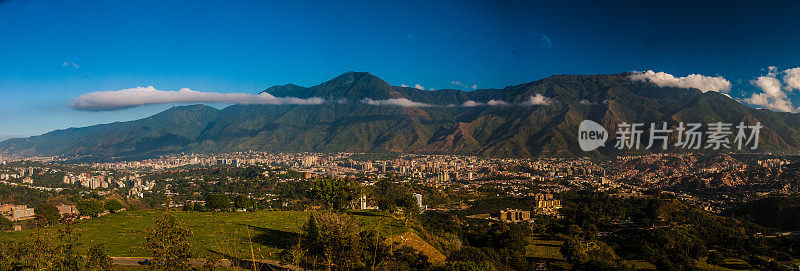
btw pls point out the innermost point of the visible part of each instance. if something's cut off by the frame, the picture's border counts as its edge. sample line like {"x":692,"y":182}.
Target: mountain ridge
{"x":346,"y":123}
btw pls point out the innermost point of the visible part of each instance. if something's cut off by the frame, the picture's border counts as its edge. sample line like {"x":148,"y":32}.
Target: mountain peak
{"x":353,"y":77}
{"x":353,"y":86}
{"x":350,"y":85}
{"x":542,"y":130}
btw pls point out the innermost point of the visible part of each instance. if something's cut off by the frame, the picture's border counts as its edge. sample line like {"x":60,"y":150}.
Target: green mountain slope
{"x":165,"y":132}
{"x":346,"y":123}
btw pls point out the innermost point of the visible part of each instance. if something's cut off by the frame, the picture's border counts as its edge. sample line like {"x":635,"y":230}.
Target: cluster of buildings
{"x":24,"y":173}
{"x":86,"y":180}
{"x":543,"y":204}
{"x":518,"y":177}
{"x":23,"y":212}
{"x":16,"y":212}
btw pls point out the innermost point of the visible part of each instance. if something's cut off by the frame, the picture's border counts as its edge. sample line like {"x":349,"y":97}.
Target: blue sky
{"x":51,"y":52}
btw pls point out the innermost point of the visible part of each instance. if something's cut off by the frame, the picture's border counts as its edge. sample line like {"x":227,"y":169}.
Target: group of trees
{"x":337,"y":241}
{"x":5,"y":224}
{"x":491,"y":246}
{"x":334,"y":194}
{"x":221,"y":202}
{"x":665,"y":231}
{"x":332,"y":239}
{"x":47,"y":214}
{"x":94,"y":207}
{"x":393,"y":197}
{"x":44,"y":251}
{"x":169,"y":242}
{"x":781,"y":213}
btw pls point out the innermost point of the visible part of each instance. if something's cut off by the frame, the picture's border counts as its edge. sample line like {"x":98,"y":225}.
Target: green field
{"x":229,"y":233}
{"x":543,"y":248}
{"x":269,"y":232}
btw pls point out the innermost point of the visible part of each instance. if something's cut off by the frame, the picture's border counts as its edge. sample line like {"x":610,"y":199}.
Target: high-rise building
{"x":309,"y":160}
{"x":514,"y":215}
{"x":362,"y":202}
{"x":419,"y":200}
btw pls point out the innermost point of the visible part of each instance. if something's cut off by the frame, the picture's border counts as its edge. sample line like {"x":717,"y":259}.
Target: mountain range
{"x":366,"y":114}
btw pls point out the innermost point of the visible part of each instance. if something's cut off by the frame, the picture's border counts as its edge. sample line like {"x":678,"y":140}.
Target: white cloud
{"x":772,"y":71}
{"x":537,"y":99}
{"x":395,"y":102}
{"x":496,"y":103}
{"x":773,"y":95}
{"x":70,"y":64}
{"x":463,"y":85}
{"x":792,"y":78}
{"x":701,"y":82}
{"x":417,"y":86}
{"x":471,"y":103}
{"x":126,"y":98}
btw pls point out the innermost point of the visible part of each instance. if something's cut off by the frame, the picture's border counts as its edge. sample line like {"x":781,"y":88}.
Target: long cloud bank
{"x":395,"y":102}
{"x":132,"y":97}
{"x":702,"y":82}
{"x":533,"y":100}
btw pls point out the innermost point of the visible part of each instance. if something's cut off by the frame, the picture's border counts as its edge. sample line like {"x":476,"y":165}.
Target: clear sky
{"x":51,"y":52}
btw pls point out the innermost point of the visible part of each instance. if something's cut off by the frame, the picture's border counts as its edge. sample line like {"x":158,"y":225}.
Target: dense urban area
{"x":664,"y":211}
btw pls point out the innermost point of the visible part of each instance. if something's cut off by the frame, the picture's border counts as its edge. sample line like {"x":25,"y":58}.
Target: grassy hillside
{"x":228,"y":233}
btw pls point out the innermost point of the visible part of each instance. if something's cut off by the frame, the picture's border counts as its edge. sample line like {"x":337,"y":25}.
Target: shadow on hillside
{"x":547,"y":245}
{"x":273,"y":238}
{"x":367,"y":213}
{"x":736,"y":265}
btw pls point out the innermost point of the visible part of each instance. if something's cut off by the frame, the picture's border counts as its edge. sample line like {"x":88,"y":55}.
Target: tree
{"x":67,"y":257}
{"x":574,"y":251}
{"x":113,"y":205}
{"x":333,"y":240}
{"x":217,"y":202}
{"x":5,"y":224}
{"x":90,"y":208}
{"x":169,"y":243}
{"x":242,"y":202}
{"x":592,"y":253}
{"x":48,"y":213}
{"x":42,"y":251}
{"x":334,"y":194}
{"x":410,"y":207}
{"x":98,"y":258}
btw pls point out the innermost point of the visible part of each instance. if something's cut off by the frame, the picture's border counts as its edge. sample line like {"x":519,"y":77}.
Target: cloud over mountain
{"x":132,"y":97}
{"x":395,"y":102}
{"x":792,"y":78}
{"x":540,"y":115}
{"x":773,"y":95}
{"x":471,"y":103}
{"x":701,"y":82}
{"x":537,"y":99}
